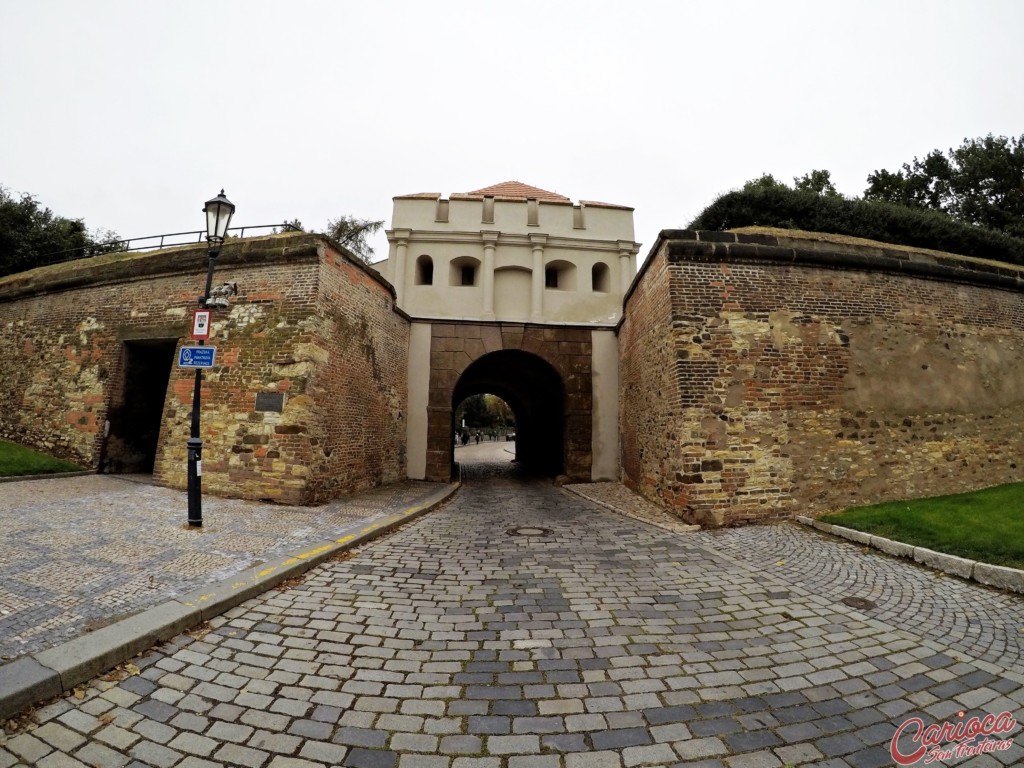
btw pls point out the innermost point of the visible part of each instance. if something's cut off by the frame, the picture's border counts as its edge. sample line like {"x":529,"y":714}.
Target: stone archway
{"x":534,"y":391}
{"x":543,"y":372}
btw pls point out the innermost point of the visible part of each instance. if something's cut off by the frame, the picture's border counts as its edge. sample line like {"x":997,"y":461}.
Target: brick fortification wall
{"x":767,"y":375}
{"x":362,"y":387}
{"x":67,"y":327}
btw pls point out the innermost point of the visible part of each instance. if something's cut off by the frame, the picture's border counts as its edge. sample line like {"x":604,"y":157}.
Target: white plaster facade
{"x":513,"y":253}
{"x":510,"y":252}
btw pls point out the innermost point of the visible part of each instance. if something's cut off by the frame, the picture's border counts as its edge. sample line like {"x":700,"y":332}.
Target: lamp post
{"x":218,"y":212}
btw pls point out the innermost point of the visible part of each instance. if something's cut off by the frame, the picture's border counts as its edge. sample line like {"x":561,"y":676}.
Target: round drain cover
{"x":528,"y":531}
{"x":859,"y":602}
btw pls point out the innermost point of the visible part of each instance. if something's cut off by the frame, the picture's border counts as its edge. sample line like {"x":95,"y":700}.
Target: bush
{"x":780,"y":206}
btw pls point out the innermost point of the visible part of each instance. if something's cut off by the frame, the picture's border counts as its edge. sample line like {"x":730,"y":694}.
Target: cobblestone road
{"x":963,"y":616}
{"x":522,"y":627}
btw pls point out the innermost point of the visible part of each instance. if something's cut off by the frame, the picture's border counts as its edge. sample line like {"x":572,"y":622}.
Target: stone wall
{"x":362,"y":386}
{"x":67,"y":327}
{"x":766,"y":375}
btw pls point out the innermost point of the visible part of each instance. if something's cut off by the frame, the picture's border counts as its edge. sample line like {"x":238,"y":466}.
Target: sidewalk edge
{"x":40,"y":676}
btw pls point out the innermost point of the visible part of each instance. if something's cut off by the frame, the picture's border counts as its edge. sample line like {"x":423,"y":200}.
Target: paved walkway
{"x":80,"y":552}
{"x":522,"y":627}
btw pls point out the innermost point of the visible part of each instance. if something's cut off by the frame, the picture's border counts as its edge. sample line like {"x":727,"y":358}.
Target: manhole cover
{"x":859,"y":602}
{"x":528,"y":531}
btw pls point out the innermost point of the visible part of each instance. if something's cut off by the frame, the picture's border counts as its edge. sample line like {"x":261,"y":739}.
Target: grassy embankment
{"x":16,"y":460}
{"x":986,"y":525}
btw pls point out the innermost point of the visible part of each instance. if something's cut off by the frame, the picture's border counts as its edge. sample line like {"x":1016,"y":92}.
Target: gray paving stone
{"x":753,"y":760}
{"x":59,"y":737}
{"x":281,"y":743}
{"x":324,"y":752}
{"x":485,"y":725}
{"x":361,"y":737}
{"x":460,"y":745}
{"x":370,"y":758}
{"x":621,"y":738}
{"x":563,"y":742}
{"x":655,"y":754}
{"x":512,"y":745}
{"x":155,"y":754}
{"x":606,"y":759}
{"x":242,"y":755}
{"x":534,"y":761}
{"x":101,"y":756}
{"x":424,"y":761}
{"x":58,"y":760}
{"x":693,"y":749}
{"x":28,"y":747}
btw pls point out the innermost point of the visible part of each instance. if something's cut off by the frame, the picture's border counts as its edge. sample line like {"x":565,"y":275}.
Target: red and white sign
{"x":201,"y":324}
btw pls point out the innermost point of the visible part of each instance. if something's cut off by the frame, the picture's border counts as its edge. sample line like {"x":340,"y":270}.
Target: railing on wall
{"x":150,"y":242}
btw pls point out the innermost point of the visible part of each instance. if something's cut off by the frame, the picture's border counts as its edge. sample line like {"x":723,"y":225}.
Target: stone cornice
{"x":416,"y":318}
{"x":802,"y":250}
{"x":187,"y":260}
{"x":191,"y":260}
{"x":525,"y":240}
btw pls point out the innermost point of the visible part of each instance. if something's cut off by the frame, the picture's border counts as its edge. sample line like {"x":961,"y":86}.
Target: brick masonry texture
{"x":758,"y":380}
{"x":309,"y":324}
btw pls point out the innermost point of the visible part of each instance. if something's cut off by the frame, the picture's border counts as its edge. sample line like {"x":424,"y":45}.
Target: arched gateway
{"x":521,"y":299}
{"x":562,"y":384}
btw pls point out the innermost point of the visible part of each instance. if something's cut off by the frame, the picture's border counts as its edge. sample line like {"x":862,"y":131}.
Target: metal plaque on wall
{"x":270,"y":401}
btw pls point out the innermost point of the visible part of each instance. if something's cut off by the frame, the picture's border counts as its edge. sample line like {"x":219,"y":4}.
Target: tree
{"x":501,"y":413}
{"x":291,"y":226}
{"x":474,"y":410}
{"x":30,"y":233}
{"x":352,"y":233}
{"x":765,"y":181}
{"x":981,"y":183}
{"x":818,"y":182}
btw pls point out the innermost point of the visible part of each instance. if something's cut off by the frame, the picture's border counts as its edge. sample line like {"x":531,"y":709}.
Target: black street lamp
{"x":218,"y":212}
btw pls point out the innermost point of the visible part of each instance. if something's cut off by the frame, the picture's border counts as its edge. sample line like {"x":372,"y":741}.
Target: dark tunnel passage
{"x":536,"y":395}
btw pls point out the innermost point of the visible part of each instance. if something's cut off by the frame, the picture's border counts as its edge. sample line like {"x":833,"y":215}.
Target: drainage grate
{"x":859,"y":603}
{"x":528,"y":531}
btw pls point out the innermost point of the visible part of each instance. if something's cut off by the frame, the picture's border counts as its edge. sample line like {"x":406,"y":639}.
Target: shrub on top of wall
{"x":886,"y":222}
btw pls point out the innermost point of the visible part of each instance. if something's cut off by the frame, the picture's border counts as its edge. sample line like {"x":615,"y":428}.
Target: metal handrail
{"x":122,"y":246}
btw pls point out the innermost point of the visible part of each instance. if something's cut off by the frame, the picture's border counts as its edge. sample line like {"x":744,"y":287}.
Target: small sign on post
{"x":196,"y":357}
{"x":201,"y":324}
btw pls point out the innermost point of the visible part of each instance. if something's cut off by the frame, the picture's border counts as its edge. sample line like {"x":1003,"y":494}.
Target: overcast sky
{"x":131,"y":114}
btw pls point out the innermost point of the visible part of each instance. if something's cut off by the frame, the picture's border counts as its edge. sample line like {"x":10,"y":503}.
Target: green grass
{"x":986,"y":525}
{"x":17,"y":460}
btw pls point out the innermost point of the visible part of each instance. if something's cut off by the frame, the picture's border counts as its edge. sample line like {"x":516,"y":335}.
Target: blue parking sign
{"x":196,"y":357}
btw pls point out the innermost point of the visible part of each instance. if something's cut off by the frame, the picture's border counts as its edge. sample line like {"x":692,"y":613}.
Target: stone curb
{"x":45,"y":674}
{"x":47,"y":476}
{"x":1001,"y":577}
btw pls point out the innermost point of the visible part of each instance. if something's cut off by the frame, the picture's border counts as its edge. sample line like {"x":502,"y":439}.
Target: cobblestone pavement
{"x":522,"y":627}
{"x":80,"y":552}
{"x":964,"y":616}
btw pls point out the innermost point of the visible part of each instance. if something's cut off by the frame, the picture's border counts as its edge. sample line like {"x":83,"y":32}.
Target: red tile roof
{"x":519,"y":191}
{"x":511,"y":190}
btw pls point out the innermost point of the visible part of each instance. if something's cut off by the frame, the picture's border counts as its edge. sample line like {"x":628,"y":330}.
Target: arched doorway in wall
{"x":534,"y":391}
